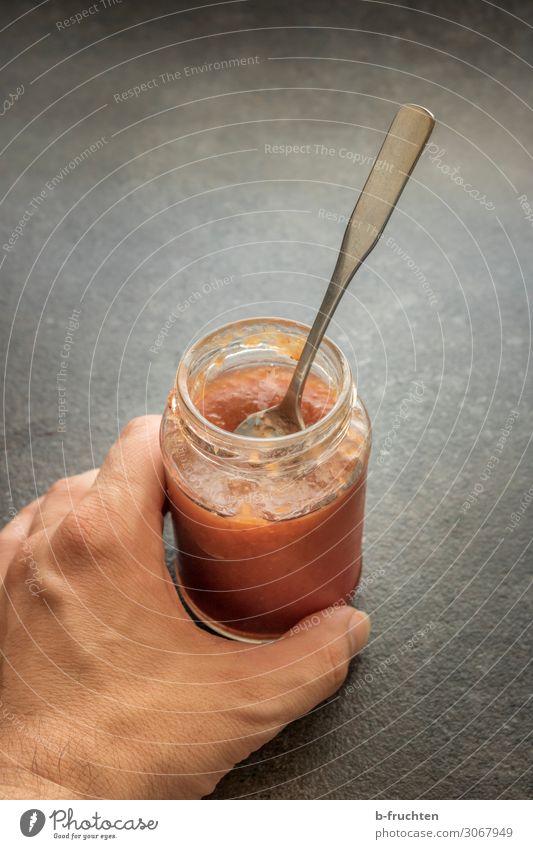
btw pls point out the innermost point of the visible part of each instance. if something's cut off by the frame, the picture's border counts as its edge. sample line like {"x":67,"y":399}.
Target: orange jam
{"x":235,"y":394}
{"x":268,"y":531}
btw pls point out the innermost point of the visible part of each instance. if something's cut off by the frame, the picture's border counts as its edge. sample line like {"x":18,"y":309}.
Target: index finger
{"x":119,"y":522}
{"x":131,"y":481}
{"x":117,"y":526}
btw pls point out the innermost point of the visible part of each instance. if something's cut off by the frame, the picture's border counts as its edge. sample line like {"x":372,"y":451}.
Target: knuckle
{"x":135,"y":427}
{"x":27,"y":511}
{"x":89,"y":533}
{"x":29,"y":568}
{"x":77,"y":532}
{"x":9,"y":536}
{"x":16,"y":571}
{"x":60,"y":487}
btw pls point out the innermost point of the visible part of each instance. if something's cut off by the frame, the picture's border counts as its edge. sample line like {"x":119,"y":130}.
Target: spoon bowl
{"x":274,"y":421}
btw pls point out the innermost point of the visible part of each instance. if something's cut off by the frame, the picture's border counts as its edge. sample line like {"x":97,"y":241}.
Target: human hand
{"x":109,"y":690}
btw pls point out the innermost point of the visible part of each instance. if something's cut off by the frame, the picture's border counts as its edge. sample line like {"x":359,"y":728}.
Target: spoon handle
{"x":399,"y":154}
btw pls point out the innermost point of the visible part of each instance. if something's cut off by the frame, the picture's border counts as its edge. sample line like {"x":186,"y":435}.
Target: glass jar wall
{"x":268,"y":531}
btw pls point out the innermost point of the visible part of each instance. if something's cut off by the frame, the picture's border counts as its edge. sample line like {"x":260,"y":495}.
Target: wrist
{"x":34,"y":768}
{"x":21,"y":783}
{"x":66,"y":767}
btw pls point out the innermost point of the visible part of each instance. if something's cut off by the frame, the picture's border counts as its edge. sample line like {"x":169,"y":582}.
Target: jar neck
{"x":297,"y":448}
{"x":262,"y":338}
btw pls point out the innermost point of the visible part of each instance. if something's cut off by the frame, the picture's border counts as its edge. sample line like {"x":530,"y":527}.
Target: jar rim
{"x":288,"y":440}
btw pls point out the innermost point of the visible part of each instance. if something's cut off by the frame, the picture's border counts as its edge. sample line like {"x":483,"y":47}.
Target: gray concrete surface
{"x":185,"y":188}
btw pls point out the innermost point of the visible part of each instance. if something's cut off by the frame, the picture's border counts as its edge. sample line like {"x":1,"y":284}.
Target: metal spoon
{"x":399,"y":154}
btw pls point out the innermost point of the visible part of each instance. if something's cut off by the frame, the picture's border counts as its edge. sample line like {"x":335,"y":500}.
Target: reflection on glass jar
{"x":268,"y":530}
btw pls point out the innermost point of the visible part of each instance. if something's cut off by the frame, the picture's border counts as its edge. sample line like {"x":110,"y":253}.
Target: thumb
{"x":311,"y":662}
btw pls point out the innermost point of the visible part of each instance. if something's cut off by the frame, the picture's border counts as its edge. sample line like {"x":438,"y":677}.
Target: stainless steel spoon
{"x":399,"y":154}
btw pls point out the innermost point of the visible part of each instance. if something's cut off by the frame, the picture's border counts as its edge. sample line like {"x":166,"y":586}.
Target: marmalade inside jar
{"x":233,"y":395}
{"x":263,"y":545}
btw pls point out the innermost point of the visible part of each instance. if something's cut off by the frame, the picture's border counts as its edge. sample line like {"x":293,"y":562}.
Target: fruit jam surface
{"x":234,"y":394}
{"x":258,"y":554}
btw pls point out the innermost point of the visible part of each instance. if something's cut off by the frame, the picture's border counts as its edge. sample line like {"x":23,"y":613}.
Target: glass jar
{"x":268,"y":531}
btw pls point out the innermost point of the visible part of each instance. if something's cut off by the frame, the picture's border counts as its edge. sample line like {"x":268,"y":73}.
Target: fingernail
{"x":358,"y":630}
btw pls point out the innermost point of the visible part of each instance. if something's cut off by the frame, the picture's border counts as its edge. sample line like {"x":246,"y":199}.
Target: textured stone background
{"x":183,"y":193}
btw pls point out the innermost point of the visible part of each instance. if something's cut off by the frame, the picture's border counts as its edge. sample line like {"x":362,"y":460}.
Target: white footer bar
{"x":269,"y":825}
